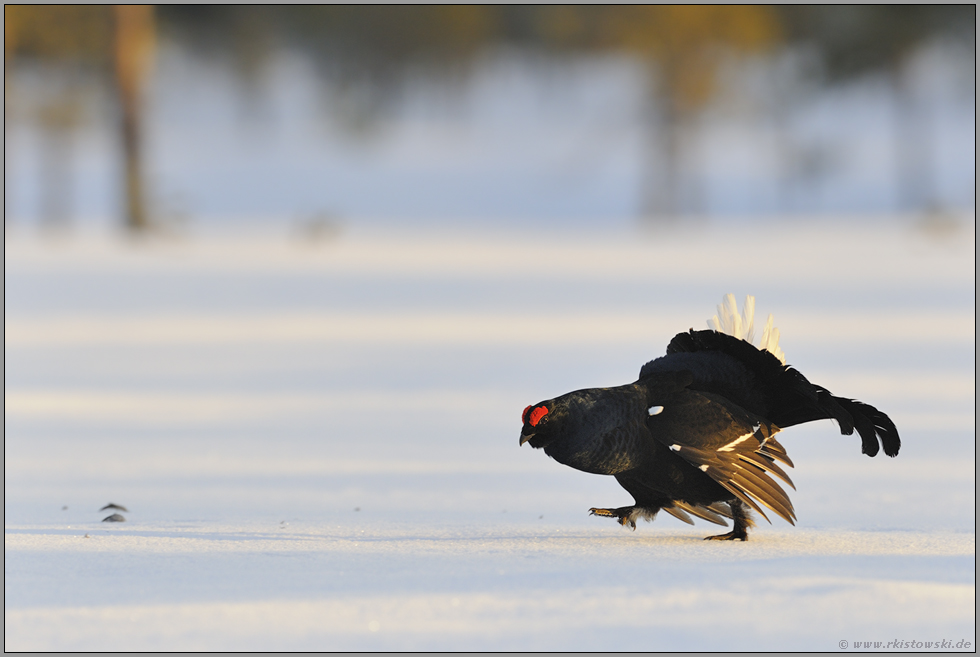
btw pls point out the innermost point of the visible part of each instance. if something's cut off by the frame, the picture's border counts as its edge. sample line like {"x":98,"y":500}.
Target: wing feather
{"x":678,"y":513}
{"x":745,"y":496}
{"x":704,"y":512}
{"x":735,"y":448}
{"x":721,"y":509}
{"x":760,"y":460}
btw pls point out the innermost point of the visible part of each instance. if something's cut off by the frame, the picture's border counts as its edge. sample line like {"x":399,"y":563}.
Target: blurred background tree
{"x":80,"y":46}
{"x":856,"y":40}
{"x":685,"y":47}
{"x":133,"y":47}
{"x":372,"y":51}
{"x":70,"y":42}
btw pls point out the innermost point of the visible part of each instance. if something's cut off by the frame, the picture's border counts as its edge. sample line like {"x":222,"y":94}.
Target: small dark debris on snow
{"x":64,"y":508}
{"x":115,"y":517}
{"x":357,"y":508}
{"x":114,"y":507}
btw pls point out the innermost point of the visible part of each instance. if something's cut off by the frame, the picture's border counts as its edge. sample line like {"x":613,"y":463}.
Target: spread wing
{"x":735,"y":448}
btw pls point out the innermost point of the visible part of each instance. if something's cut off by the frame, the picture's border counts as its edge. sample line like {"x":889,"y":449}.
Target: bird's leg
{"x":741,"y":521}
{"x":624,"y":514}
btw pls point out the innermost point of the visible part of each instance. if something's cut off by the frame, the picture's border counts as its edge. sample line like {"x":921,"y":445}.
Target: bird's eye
{"x":524,"y":414}
{"x":537,"y":414}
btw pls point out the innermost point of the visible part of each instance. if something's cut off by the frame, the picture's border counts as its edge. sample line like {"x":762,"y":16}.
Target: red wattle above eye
{"x":524,"y":414}
{"x":537,"y":414}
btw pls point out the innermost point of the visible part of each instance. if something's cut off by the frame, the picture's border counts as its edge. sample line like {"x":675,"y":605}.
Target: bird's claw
{"x":730,"y":536}
{"x":622,"y":515}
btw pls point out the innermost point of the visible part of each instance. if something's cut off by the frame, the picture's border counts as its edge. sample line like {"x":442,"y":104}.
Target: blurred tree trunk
{"x":10,"y":34}
{"x":663,"y":182}
{"x":660,"y":168}
{"x":59,"y":117}
{"x":685,"y":44}
{"x":913,"y":157}
{"x":133,"y":51}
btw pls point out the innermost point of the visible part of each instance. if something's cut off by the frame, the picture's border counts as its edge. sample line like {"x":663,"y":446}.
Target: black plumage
{"x":695,"y":433}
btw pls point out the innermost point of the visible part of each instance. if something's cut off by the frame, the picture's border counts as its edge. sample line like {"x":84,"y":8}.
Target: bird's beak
{"x":526,"y":437}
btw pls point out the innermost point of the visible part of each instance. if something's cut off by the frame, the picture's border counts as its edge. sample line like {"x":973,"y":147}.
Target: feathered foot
{"x":624,"y":514}
{"x":741,"y":521}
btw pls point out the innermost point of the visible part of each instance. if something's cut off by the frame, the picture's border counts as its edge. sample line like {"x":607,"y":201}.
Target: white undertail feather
{"x":741,"y":325}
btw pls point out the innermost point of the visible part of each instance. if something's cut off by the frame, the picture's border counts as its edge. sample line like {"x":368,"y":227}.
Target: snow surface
{"x":317,"y":441}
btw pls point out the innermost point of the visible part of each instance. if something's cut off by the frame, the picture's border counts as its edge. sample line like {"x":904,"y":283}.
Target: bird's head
{"x":542,"y":423}
{"x":587,"y":429}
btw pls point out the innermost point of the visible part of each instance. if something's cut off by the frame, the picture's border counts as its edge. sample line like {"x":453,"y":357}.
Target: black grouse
{"x":695,"y":433}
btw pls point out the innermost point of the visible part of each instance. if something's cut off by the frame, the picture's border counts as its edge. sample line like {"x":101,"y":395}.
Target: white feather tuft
{"x":729,"y":321}
{"x":748,"y":313}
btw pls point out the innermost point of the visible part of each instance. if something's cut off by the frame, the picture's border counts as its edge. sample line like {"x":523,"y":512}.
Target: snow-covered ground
{"x":317,"y":441}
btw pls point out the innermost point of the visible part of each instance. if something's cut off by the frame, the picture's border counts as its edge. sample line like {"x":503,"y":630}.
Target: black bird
{"x":695,"y":433}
